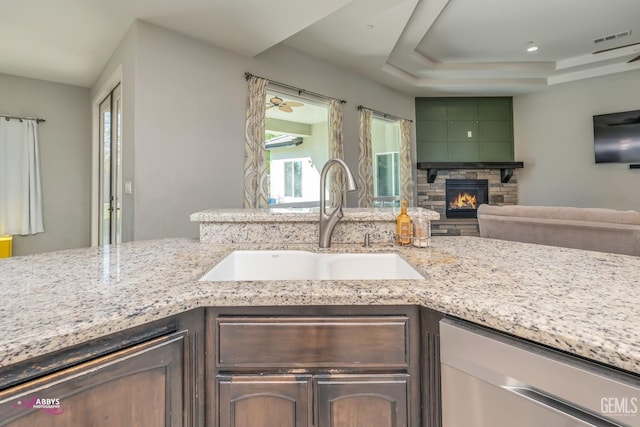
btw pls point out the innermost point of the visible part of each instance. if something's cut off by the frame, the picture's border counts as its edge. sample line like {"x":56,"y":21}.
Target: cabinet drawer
{"x":307,"y":342}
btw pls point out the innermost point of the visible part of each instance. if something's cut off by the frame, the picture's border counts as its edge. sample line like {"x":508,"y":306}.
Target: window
{"x":385,"y":142}
{"x":293,"y":179}
{"x":297,"y":147}
{"x":387,"y":168}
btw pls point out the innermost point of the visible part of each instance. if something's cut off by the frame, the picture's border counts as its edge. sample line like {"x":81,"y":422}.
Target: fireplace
{"x":463,"y":196}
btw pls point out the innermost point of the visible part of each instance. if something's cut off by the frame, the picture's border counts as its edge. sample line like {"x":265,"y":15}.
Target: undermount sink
{"x":303,"y":265}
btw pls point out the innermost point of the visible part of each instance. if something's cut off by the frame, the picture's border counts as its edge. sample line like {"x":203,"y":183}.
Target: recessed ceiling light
{"x":531,"y":47}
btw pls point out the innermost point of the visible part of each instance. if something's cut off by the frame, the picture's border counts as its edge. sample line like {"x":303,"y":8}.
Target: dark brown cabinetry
{"x":325,"y":369}
{"x":151,"y":375}
{"x":289,"y":400}
{"x":255,"y":367}
{"x":265,"y":400}
{"x":362,"y":401}
{"x":141,"y":386}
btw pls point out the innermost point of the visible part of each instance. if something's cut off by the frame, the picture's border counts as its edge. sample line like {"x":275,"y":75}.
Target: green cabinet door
{"x":495,"y":108}
{"x":433,"y":151}
{"x":465,"y":130}
{"x":462,"y":108}
{"x":431,"y":109}
{"x":501,"y":130}
{"x":432,"y":130}
{"x":462,"y":151}
{"x":496,"y":151}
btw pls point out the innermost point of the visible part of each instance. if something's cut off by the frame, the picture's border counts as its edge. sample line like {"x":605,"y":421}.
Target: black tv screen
{"x":616,"y":137}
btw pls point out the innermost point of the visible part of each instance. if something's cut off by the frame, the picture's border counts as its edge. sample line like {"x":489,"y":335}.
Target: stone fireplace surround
{"x":432,"y":195}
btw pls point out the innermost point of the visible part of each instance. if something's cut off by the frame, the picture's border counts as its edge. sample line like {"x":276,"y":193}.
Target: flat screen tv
{"x":616,"y":137}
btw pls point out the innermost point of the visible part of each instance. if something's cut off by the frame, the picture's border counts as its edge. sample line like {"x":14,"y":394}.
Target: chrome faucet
{"x":329,"y":221}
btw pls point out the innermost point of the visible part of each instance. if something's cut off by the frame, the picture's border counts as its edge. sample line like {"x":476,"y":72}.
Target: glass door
{"x":110,"y":168}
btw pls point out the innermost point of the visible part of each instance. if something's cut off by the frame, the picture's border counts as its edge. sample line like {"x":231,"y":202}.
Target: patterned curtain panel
{"x":255,"y":165}
{"x":406,"y":171}
{"x":336,"y":150}
{"x":365,"y":160}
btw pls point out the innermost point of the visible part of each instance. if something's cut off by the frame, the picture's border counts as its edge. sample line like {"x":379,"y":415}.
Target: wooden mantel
{"x":506,"y":168}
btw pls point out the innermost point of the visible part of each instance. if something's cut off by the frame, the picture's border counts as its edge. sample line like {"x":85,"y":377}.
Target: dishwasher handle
{"x":555,"y":404}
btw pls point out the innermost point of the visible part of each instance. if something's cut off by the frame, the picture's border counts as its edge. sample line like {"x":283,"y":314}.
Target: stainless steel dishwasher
{"x":493,"y":380}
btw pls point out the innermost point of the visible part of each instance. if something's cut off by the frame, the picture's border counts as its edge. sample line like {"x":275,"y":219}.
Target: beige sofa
{"x":596,"y":229}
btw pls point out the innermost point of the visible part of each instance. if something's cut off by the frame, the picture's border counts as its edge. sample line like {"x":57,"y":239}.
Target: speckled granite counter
{"x":579,"y":301}
{"x":291,"y":225}
{"x":303,"y":214}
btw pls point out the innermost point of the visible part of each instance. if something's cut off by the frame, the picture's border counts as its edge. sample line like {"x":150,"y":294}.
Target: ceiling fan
{"x":286,"y":106}
{"x":637,"y":58}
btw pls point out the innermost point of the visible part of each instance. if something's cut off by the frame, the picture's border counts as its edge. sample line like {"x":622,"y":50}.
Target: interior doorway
{"x":110,"y":168}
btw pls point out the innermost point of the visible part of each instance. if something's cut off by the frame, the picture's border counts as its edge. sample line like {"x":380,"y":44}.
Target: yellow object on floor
{"x":5,"y":246}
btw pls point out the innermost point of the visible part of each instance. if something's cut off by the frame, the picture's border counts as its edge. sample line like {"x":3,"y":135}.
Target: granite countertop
{"x":579,"y":301}
{"x":305,"y":214}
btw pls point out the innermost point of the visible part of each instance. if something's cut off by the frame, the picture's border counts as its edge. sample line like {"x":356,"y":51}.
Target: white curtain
{"x":20,"y":186}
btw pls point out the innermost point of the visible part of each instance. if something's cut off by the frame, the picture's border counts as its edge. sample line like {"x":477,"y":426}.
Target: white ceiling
{"x":421,"y":47}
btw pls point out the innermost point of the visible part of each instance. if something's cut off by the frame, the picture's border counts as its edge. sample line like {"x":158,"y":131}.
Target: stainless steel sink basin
{"x":303,"y":265}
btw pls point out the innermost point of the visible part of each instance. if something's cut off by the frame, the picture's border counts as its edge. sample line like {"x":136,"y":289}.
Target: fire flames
{"x":464,"y":201}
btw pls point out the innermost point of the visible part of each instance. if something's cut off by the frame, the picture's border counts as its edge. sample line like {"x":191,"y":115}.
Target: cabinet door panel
{"x":363,"y":401}
{"x":429,"y":151}
{"x":495,"y":108}
{"x":462,"y":108}
{"x":461,"y":129}
{"x":496,"y":151}
{"x":432,"y":130}
{"x":141,"y":386}
{"x":264,"y":401}
{"x":496,"y":130}
{"x":431,"y":108}
{"x":464,"y":151}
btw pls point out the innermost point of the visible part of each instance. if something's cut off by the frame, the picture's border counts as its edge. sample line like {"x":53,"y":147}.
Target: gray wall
{"x":553,"y":133}
{"x":190,"y":100}
{"x":65,"y":159}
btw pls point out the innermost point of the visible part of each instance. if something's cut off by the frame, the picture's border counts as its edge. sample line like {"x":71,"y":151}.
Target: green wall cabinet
{"x":464,"y":129}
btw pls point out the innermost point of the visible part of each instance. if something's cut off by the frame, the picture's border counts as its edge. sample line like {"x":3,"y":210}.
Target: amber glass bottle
{"x":403,"y":225}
